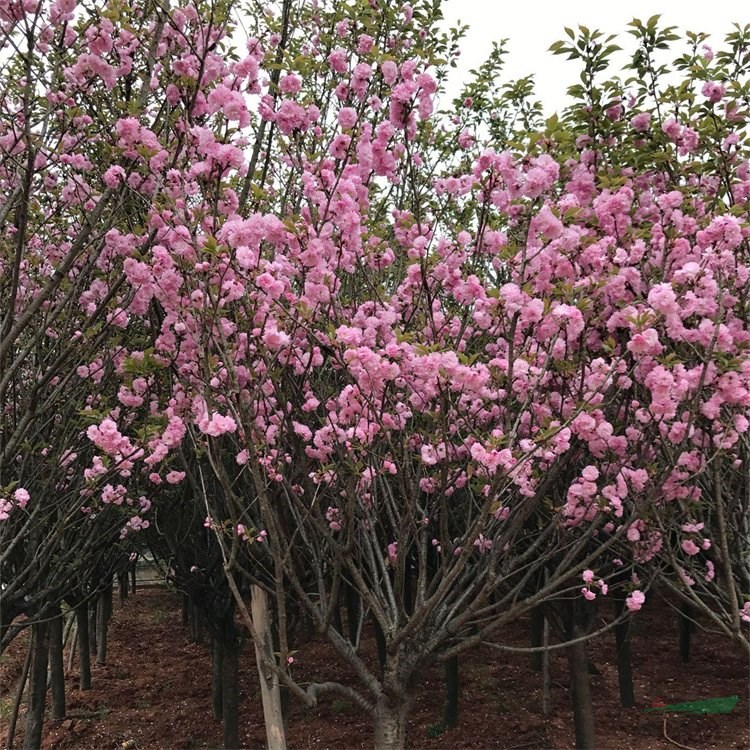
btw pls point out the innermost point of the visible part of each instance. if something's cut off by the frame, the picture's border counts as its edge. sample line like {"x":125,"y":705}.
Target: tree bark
{"x":84,"y":655}
{"x":685,"y":629}
{"x":353,"y":608}
{"x":390,"y":724}
{"x":185,"y":610}
{"x":103,"y":614}
{"x":19,"y":697}
{"x":537,"y":633}
{"x":450,"y":711}
{"x":580,"y":692}
{"x":380,"y":644}
{"x":269,"y":680}
{"x":57,"y":666}
{"x":37,"y":687}
{"x":122,"y":585}
{"x":624,"y":663}
{"x":230,"y":695}
{"x":93,"y":608}
{"x":217,"y":657}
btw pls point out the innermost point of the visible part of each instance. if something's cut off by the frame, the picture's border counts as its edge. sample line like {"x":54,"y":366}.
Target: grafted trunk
{"x":84,"y":655}
{"x":269,"y":680}
{"x":390,"y":723}
{"x":37,"y":687}
{"x":56,"y":665}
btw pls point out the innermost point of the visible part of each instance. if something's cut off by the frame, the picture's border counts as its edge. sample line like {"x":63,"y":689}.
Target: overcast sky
{"x":532,"y":25}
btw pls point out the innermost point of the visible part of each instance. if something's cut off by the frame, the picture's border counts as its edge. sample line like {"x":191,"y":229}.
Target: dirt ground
{"x":154,"y":694}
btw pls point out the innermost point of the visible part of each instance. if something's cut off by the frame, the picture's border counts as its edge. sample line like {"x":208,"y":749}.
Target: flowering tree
{"x":449,"y":370}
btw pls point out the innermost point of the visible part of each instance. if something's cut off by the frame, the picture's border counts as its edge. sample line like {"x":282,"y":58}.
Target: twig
{"x":674,"y":742}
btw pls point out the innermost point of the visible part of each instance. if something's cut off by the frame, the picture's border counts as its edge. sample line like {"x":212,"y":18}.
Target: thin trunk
{"x":122,"y":585}
{"x":37,"y":687}
{"x":537,"y":630}
{"x":546,"y":676}
{"x":450,"y":711}
{"x":685,"y":616}
{"x":93,"y":607}
{"x":269,"y":681}
{"x":185,"y":610}
{"x":73,"y":643}
{"x":217,"y":656}
{"x":104,"y":612}
{"x":230,"y":695}
{"x":580,"y":692}
{"x":84,"y":655}
{"x":19,"y":697}
{"x":390,"y":724}
{"x":380,"y":644}
{"x":57,"y":666}
{"x":133,"y":576}
{"x":624,"y":663}
{"x":353,"y":608}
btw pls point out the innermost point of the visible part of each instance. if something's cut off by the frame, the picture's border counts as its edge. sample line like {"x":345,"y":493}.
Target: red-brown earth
{"x":154,"y":693}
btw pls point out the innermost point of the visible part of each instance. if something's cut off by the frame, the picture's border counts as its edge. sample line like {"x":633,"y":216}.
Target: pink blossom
{"x":21,"y":496}
{"x":641,"y":121}
{"x":713,"y":91}
{"x":635,"y":600}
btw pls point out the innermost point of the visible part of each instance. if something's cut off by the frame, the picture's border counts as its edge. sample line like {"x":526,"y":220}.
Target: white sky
{"x":532,"y":25}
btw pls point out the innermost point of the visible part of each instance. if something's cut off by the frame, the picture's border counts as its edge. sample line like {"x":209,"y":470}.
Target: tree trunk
{"x":104,"y":612}
{"x":73,"y":643}
{"x":537,"y":634}
{"x":390,"y":724}
{"x":624,"y":664}
{"x":353,"y":608}
{"x":57,"y":666}
{"x":122,"y":585}
{"x":685,"y":629}
{"x":84,"y":655}
{"x":217,"y":657}
{"x":37,"y":687}
{"x":450,"y":711}
{"x":133,"y":576}
{"x":185,"y":610}
{"x":580,"y":693}
{"x":19,"y":697}
{"x":380,"y":644}
{"x":230,"y":695}
{"x":546,"y":676}
{"x":269,"y":680}
{"x":93,"y":608}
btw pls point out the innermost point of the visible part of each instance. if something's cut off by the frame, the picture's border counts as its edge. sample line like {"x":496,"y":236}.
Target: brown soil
{"x":154,"y":694}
